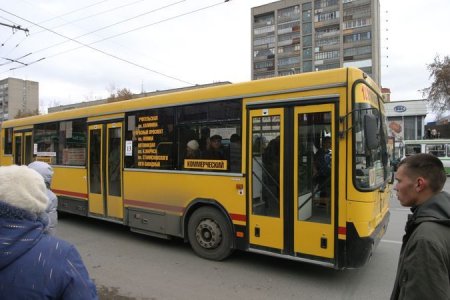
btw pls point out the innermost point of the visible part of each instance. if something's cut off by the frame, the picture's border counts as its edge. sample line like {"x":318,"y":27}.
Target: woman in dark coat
{"x":33,"y":263}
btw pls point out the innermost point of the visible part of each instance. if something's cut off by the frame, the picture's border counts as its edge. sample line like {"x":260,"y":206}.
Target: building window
{"x":264,"y":53}
{"x":291,"y":49}
{"x":289,"y":13}
{"x":358,"y":51}
{"x":267,"y":19}
{"x":326,"y":16}
{"x":324,"y":3}
{"x":410,"y":128}
{"x":358,"y":11}
{"x":307,"y":16}
{"x":306,"y":6}
{"x":283,"y":62}
{"x":327,"y":31}
{"x":264,"y":75}
{"x":307,"y":40}
{"x":362,"y":36}
{"x":327,"y":41}
{"x":264,"y":30}
{"x":289,"y":27}
{"x":264,"y":65}
{"x":307,"y":66}
{"x":269,"y":40}
{"x":361,"y":22}
{"x":327,"y":66}
{"x":289,"y":39}
{"x":419,"y":128}
{"x":307,"y":53}
{"x":307,"y":28}
{"x":327,"y":55}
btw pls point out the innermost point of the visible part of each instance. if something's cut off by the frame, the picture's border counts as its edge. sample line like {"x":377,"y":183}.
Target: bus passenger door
{"x":291,"y":180}
{"x":95,"y":170}
{"x":314,"y":181}
{"x":105,"y":170}
{"x":114,"y":195}
{"x":266,"y":144}
{"x":23,"y":148}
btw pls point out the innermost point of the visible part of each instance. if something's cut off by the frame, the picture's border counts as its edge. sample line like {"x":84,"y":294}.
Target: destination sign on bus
{"x":205,"y":164}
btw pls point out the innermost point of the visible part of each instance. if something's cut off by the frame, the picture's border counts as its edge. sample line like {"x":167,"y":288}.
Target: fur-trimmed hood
{"x":23,"y":188}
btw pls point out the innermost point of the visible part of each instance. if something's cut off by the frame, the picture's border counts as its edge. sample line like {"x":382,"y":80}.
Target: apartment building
{"x":18,"y":96}
{"x":294,"y":36}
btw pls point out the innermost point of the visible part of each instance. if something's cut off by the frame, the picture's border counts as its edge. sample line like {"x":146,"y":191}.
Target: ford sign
{"x":400,"y":108}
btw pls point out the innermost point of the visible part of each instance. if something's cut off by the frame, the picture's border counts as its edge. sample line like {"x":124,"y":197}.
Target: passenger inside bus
{"x":192,"y":150}
{"x":235,"y":153}
{"x":322,"y":165}
{"x":214,"y":150}
{"x":204,"y":139}
{"x":271,"y":177}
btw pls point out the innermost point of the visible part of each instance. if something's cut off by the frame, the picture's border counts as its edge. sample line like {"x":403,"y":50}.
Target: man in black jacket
{"x":424,"y":264}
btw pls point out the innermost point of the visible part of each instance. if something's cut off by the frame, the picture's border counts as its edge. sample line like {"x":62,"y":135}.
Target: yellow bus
{"x":294,"y":167}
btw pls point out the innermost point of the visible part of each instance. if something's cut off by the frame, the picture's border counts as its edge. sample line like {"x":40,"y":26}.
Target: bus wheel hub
{"x":208,"y":234}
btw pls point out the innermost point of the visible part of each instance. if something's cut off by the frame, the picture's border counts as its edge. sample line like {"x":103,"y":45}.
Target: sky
{"x":83,"y":50}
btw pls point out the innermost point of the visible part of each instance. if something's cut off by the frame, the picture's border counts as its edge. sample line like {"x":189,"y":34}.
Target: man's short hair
{"x":427,"y":166}
{"x":215,"y":137}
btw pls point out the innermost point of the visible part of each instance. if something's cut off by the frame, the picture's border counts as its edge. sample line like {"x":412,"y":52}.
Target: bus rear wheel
{"x":210,"y":234}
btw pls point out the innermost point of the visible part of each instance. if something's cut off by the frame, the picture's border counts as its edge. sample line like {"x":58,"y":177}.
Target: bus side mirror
{"x":371,"y":132}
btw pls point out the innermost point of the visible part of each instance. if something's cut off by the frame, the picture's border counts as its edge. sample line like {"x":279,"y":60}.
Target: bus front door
{"x":23,"y":148}
{"x":291,"y":182}
{"x":105,"y":170}
{"x":266,"y":180}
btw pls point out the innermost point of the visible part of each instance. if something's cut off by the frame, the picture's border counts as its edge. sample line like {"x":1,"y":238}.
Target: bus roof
{"x":276,"y":85}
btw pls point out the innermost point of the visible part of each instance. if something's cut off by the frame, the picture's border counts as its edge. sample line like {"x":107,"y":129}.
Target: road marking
{"x":392,"y":242}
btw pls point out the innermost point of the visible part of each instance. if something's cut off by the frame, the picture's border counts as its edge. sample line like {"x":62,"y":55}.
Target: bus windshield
{"x":371,"y":163}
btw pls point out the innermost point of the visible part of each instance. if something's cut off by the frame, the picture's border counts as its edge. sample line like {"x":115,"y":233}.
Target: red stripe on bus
{"x":342,"y":230}
{"x":68,"y":193}
{"x":238,"y":217}
{"x":154,"y":205}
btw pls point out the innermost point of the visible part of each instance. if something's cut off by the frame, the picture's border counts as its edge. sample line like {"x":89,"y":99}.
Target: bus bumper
{"x":359,"y":249}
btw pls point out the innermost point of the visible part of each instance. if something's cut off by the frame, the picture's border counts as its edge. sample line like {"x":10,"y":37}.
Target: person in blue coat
{"x":46,"y":172}
{"x":33,"y":263}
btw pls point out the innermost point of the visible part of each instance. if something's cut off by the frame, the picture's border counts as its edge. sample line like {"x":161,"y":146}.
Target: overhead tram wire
{"x":83,"y":18}
{"x":65,"y":14}
{"x":92,"y":48}
{"x":73,"y":11}
{"x":111,"y":55}
{"x":9,"y":61}
{"x":111,"y":25}
{"x":129,"y":31}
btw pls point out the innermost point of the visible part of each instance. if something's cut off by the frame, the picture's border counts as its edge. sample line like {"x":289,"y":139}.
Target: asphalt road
{"x":126,"y":265}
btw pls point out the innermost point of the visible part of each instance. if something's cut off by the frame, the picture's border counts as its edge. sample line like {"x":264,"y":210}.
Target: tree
{"x":120,"y":95}
{"x":438,"y":94}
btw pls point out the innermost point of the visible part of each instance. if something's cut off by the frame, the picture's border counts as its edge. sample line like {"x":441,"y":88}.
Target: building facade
{"x":294,"y":36}
{"x":405,"y":119}
{"x":18,"y":96}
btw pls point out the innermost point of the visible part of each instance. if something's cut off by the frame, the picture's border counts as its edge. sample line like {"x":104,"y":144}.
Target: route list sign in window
{"x":148,"y":133}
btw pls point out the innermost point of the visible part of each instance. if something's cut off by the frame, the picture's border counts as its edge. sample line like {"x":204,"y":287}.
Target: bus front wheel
{"x":210,"y":234}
